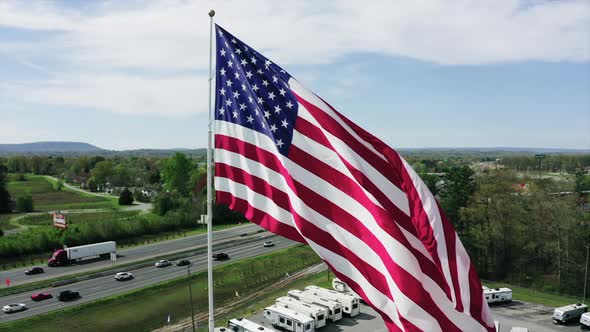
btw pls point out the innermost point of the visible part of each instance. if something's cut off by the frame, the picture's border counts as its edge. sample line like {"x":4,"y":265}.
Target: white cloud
{"x":143,"y":57}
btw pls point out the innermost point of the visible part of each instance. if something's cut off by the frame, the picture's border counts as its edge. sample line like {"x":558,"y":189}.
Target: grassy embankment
{"x":43,"y":222}
{"x":46,"y":197}
{"x":533,"y":296}
{"x":148,"y":308}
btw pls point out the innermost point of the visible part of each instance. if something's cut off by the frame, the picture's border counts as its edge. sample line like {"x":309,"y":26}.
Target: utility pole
{"x":190,"y":292}
{"x":586,"y":273}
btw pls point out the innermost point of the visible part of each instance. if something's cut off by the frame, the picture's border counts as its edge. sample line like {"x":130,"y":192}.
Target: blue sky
{"x":133,"y":74}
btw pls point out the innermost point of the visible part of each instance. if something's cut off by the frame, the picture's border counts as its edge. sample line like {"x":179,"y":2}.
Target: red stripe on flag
{"x":335,"y":128}
{"x":311,"y":131}
{"x":257,"y":216}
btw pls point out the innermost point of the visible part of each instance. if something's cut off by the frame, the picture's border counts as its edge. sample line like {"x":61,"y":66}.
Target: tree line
{"x":524,"y":230}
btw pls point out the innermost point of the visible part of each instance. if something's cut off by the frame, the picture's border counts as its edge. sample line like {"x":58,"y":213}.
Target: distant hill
{"x":48,"y":147}
{"x":79,"y":148}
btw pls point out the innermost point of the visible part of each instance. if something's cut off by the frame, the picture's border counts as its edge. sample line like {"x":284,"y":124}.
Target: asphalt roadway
{"x":18,"y":276}
{"x":97,"y":288}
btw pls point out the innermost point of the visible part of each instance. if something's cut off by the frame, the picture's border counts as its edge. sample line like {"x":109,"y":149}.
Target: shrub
{"x":24,"y":203}
{"x":126,"y":197}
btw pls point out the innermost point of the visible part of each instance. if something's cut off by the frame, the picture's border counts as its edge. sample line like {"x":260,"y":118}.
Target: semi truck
{"x":69,"y":255}
{"x":568,"y":313}
{"x":350,"y":303}
{"x":334,"y":308}
{"x":243,"y":325}
{"x":319,"y":314}
{"x":289,"y":320}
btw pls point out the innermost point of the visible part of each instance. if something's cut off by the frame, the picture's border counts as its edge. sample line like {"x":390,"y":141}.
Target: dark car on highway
{"x":220,"y":256}
{"x":34,"y":270}
{"x":68,"y":295}
{"x":183,"y":262}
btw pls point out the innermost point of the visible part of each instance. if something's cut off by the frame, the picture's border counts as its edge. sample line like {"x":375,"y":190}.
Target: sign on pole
{"x":59,"y":220}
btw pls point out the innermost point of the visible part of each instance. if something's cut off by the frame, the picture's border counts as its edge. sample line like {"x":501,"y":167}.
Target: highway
{"x":124,"y":256}
{"x":97,"y":288}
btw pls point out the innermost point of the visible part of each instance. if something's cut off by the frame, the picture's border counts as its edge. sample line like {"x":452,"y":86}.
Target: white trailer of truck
{"x":585,"y":321}
{"x":570,"y":312}
{"x":289,"y":320}
{"x":343,"y":287}
{"x":69,"y":255}
{"x":350,"y":303}
{"x":334,"y":308}
{"x":243,"y":325}
{"x":319,"y":314}
{"x":497,"y":295}
{"x":90,"y":250}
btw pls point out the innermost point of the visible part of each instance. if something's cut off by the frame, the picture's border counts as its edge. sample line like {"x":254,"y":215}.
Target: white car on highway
{"x":14,"y":307}
{"x":121,"y":276}
{"x":163,"y":263}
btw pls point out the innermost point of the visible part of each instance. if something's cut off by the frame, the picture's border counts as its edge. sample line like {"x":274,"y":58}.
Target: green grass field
{"x":47,"y":198}
{"x":73,"y":218}
{"x":148,"y":308}
{"x":533,"y":296}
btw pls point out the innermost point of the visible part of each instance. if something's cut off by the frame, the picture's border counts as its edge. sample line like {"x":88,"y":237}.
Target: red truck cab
{"x":59,"y":257}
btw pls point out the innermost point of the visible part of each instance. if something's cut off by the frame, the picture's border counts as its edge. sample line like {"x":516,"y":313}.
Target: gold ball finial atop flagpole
{"x":211,"y":13}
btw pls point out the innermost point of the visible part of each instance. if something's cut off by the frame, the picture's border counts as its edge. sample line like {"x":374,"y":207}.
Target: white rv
{"x":585,"y":321}
{"x":289,"y":320}
{"x":319,"y":314}
{"x":498,"y":295}
{"x":343,"y":287}
{"x":350,"y":303}
{"x":243,"y":325}
{"x":569,"y":312}
{"x":334,"y":308}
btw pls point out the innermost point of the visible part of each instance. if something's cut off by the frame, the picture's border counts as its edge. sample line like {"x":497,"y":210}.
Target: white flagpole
{"x":210,"y":184}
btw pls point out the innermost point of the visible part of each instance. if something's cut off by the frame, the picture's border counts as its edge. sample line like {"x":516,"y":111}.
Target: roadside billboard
{"x":59,"y":220}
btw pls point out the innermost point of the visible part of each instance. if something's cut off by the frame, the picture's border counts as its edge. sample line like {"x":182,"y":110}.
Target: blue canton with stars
{"x":253,"y":92}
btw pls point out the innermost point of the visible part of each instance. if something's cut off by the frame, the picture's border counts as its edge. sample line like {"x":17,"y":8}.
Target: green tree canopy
{"x":5,"y":205}
{"x":458,"y":186}
{"x":177,"y":173}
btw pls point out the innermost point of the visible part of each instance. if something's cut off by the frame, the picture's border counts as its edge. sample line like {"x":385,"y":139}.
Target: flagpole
{"x":210,"y":185}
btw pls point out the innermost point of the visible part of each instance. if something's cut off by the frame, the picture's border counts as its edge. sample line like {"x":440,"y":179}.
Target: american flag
{"x":297,"y":167}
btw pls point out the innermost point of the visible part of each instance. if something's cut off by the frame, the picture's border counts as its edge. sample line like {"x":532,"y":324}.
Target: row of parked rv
{"x":302,"y":311}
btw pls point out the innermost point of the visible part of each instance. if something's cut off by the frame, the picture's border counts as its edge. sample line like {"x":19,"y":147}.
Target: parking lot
{"x":537,"y":318}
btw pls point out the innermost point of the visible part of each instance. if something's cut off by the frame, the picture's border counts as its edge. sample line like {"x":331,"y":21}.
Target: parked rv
{"x":243,"y":325}
{"x":585,"y":321}
{"x":289,"y":320}
{"x":350,"y":303}
{"x":569,"y":312}
{"x":69,"y":255}
{"x":343,"y":287}
{"x":334,"y":308}
{"x":497,"y":295}
{"x":319,"y":314}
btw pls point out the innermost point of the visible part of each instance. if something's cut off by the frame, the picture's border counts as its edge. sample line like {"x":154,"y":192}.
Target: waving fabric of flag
{"x":297,"y":167}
